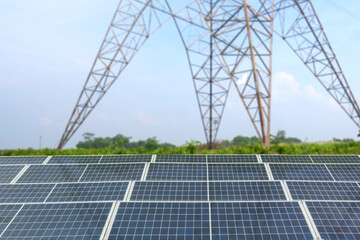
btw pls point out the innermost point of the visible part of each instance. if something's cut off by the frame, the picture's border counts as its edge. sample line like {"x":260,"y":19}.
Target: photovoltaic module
{"x":180,"y":197}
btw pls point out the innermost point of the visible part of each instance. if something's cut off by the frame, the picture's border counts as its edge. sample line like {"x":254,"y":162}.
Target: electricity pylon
{"x":228,"y":42}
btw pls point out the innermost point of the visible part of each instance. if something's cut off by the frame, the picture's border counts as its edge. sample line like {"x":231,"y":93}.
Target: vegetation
{"x":120,"y":144}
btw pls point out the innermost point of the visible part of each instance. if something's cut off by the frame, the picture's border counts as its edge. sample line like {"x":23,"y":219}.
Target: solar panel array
{"x":180,"y":197}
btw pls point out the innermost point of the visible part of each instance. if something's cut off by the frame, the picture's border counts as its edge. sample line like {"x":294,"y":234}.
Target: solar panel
{"x":8,"y":173}
{"x":113,"y":172}
{"x":74,"y":159}
{"x":22,"y":160}
{"x":52,"y":173}
{"x":7,"y":213}
{"x":237,"y":172}
{"x":258,"y":220}
{"x":286,"y":159}
{"x":125,"y":158}
{"x":73,"y":192}
{"x":177,"y":172}
{"x":336,"y":158}
{"x":181,"y":158}
{"x":59,"y":221}
{"x":336,"y":220}
{"x":246,"y":191}
{"x":232,"y":158}
{"x":169,"y":191}
{"x":324,"y":190}
{"x":161,"y":221}
{"x":300,"y":172}
{"x":350,"y":172}
{"x":24,"y":193}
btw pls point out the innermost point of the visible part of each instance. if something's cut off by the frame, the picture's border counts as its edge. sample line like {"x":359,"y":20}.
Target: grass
{"x":296,"y":149}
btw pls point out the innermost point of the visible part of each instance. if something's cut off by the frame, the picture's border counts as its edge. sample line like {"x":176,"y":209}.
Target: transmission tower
{"x":228,"y":42}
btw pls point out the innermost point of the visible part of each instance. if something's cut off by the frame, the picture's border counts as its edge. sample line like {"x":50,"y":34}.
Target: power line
{"x":344,"y":10}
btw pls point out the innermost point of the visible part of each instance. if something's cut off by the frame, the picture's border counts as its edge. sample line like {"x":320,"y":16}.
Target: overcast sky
{"x":47,"y":48}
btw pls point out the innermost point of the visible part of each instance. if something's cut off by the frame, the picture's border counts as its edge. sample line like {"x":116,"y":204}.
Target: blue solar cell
{"x":59,"y":221}
{"x":113,"y":172}
{"x":336,"y":220}
{"x":237,"y":172}
{"x":232,"y":158}
{"x":246,"y":191}
{"x":125,"y":158}
{"x":8,"y":173}
{"x":324,"y":191}
{"x":336,"y":158}
{"x":348,"y":172}
{"x":23,"y":193}
{"x":7,"y":213}
{"x":169,"y":191}
{"x":161,"y":221}
{"x":300,"y":172}
{"x":72,"y":192}
{"x":258,"y":220}
{"x":286,"y":159}
{"x":74,"y":159}
{"x":177,"y":172}
{"x":52,"y":173}
{"x":181,"y":158}
{"x":22,"y":160}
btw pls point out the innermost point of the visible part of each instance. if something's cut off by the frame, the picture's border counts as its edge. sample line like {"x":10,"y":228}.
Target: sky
{"x":47,"y":48}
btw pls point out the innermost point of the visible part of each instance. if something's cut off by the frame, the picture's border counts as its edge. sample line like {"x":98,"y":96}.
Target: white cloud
{"x":285,"y":85}
{"x":46,"y":122}
{"x":140,"y":115}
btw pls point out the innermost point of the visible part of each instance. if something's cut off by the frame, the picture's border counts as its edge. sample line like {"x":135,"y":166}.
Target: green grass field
{"x":297,"y":149}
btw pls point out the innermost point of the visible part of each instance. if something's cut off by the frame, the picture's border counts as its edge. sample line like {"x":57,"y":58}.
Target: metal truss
{"x":226,"y":42}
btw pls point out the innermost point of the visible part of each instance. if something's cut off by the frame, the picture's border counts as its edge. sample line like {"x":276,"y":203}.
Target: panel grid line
{"x":258,"y":156}
{"x":47,"y":160}
{"x":50,"y":192}
{"x":268,"y":171}
{"x":145,"y":172}
{"x":129,"y":191}
{"x":329,"y":172}
{"x":18,"y":176}
{"x":109,"y":221}
{"x":310,"y":220}
{"x":11,"y":221}
{"x":153,"y":158}
{"x":286,"y":190}
{"x":83,"y":173}
{"x":311,"y":158}
{"x":100,"y":158}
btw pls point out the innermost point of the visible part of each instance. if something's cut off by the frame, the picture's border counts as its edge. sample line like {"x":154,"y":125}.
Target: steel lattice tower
{"x":227,"y":43}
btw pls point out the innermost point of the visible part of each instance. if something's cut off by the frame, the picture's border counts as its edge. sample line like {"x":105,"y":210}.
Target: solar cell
{"x":125,"y":158}
{"x":8,"y":173}
{"x":169,"y":191}
{"x":113,"y":172}
{"x":161,"y":221}
{"x":177,"y":172}
{"x":336,"y":158}
{"x":73,"y":192}
{"x":349,"y":172}
{"x":22,"y":160}
{"x":324,"y":190}
{"x":237,"y":172}
{"x":181,"y":158}
{"x":7,"y":213}
{"x":300,"y":172}
{"x":336,"y":220}
{"x":52,"y":173}
{"x":74,"y":159}
{"x":232,"y":158}
{"x":286,"y":159}
{"x":258,"y":220}
{"x":59,"y":221}
{"x":246,"y":191}
{"x":24,"y":193}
